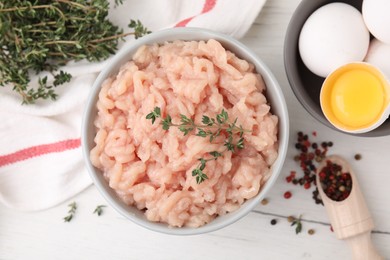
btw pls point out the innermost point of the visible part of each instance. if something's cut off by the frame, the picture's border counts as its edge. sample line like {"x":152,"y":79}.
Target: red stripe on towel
{"x":38,"y":150}
{"x":207,"y":7}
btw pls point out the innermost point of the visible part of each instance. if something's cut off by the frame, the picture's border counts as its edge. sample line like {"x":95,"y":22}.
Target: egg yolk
{"x":357,"y":98}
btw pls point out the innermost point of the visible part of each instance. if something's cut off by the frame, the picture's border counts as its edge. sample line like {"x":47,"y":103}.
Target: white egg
{"x":335,"y":34}
{"x":379,"y":56}
{"x":376,"y":14}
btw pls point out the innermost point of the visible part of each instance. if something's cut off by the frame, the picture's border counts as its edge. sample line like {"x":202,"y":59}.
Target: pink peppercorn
{"x":287,"y":195}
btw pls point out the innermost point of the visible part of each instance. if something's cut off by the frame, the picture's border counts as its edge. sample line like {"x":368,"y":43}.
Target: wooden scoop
{"x":350,"y":218}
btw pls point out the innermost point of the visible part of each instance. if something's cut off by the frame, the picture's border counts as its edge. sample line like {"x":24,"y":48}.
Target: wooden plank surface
{"x":44,"y":235}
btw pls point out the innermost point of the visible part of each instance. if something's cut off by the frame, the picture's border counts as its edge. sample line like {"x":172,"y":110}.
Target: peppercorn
{"x":290,"y":219}
{"x":358,"y":157}
{"x":287,"y":195}
{"x":264,"y":202}
{"x":311,"y":231}
{"x":273,"y":222}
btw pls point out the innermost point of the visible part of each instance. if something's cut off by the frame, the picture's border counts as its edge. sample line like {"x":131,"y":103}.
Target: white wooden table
{"x":44,"y":235}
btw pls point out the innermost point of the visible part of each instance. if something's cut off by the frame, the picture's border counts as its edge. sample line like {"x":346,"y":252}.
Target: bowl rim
{"x":196,"y":34}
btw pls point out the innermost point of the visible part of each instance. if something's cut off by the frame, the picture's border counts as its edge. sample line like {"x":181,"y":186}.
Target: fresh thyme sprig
{"x":72,"y":210}
{"x":298,"y":224}
{"x":198,"y":173}
{"x":211,"y":128}
{"x":42,"y":35}
{"x":99,"y":210}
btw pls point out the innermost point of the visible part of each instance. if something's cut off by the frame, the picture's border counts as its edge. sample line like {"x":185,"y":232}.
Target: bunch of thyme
{"x":41,"y":35}
{"x":211,"y":128}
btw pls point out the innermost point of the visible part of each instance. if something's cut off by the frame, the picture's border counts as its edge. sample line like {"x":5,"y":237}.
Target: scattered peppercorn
{"x":290,"y":219}
{"x":311,"y":231}
{"x":310,"y":155}
{"x":358,"y":157}
{"x":264,"y":202}
{"x":287,"y":195}
{"x":273,"y":222}
{"x":316,"y":197}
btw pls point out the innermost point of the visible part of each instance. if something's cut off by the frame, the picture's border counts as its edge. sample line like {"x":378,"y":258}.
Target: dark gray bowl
{"x":306,"y":85}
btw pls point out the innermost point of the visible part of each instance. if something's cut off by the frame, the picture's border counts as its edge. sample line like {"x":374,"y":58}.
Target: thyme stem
{"x":112,"y":37}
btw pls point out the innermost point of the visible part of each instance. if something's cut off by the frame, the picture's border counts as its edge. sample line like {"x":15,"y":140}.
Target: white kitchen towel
{"x":41,"y":161}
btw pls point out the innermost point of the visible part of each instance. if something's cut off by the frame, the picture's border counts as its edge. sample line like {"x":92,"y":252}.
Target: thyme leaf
{"x":99,"y":210}
{"x":298,"y":225}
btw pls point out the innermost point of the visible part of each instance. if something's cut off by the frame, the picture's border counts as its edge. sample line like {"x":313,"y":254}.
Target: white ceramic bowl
{"x":274,"y":96}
